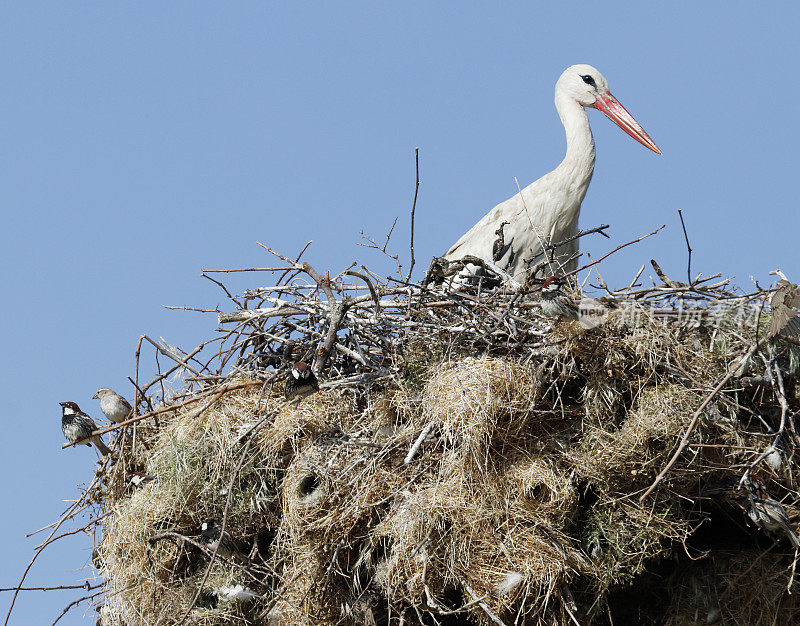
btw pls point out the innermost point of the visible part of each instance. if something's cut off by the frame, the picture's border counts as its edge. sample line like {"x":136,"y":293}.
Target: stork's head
{"x":589,"y":88}
{"x":583,"y":83}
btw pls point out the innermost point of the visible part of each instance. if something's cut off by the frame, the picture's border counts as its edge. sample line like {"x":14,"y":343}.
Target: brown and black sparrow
{"x":77,"y":426}
{"x":114,"y":406}
{"x":556,"y":303}
{"x":301,"y":382}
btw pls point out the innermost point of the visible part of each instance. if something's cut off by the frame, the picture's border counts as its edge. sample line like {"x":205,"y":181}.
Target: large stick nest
{"x":466,"y":460}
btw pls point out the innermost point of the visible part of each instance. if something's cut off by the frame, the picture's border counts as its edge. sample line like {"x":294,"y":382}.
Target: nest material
{"x":465,"y":458}
{"x":747,"y":587}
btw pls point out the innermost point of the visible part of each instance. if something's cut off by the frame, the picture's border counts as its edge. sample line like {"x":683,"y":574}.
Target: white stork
{"x":512,"y":235}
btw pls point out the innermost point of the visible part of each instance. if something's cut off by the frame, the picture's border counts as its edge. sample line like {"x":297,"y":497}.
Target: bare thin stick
{"x":415,"y":448}
{"x":413,"y":210}
{"x":249,"y":269}
{"x":182,"y":361}
{"x":271,"y":251}
{"x":77,"y":506}
{"x":85,"y":585}
{"x":179,"y":364}
{"x":76,"y":602}
{"x":485,"y":607}
{"x":688,"y":247}
{"x":608,"y":254}
{"x":223,"y":287}
{"x":296,"y":261}
{"x":581,"y":233}
{"x":83,"y":528}
{"x":136,"y":388}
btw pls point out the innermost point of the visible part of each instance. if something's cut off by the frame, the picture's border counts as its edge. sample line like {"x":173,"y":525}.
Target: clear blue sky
{"x":142,"y":142}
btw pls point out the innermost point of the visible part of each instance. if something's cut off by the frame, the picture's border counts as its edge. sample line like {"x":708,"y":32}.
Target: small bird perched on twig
{"x":212,"y":536}
{"x":77,"y":426}
{"x":114,"y":406}
{"x":784,"y":303}
{"x":301,"y":382}
{"x":556,"y":303}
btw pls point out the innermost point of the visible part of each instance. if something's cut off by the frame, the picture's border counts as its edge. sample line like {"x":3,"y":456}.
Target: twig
{"x":83,"y":528}
{"x":76,"y":602}
{"x":664,"y":278}
{"x":146,"y":399}
{"x":688,"y":247}
{"x":136,"y":388}
{"x":180,"y":361}
{"x":249,"y":269}
{"x":77,"y":506}
{"x":86,"y":585}
{"x":581,"y":233}
{"x":189,"y":308}
{"x":280,"y":256}
{"x":415,"y":448}
{"x":371,"y":288}
{"x":476,"y":599}
{"x":323,"y":282}
{"x":178,"y":364}
{"x":608,"y":254}
{"x":296,"y":260}
{"x":413,"y":210}
{"x":224,"y":288}
{"x":372,"y":244}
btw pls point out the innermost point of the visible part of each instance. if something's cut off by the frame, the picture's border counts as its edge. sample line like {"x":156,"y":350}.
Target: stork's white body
{"x":547,"y":210}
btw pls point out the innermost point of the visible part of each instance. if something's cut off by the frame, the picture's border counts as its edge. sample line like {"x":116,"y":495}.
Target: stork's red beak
{"x":618,"y":114}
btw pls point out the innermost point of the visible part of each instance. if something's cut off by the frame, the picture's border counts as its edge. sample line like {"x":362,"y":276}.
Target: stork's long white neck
{"x":578,"y":164}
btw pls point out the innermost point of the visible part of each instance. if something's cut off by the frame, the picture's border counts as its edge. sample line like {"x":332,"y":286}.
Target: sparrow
{"x":590,"y":312}
{"x":301,"y":382}
{"x":77,"y":426}
{"x":753,"y":499}
{"x":212,"y":536}
{"x":785,"y":303}
{"x":139,"y":479}
{"x":114,"y":406}
{"x":768,"y":514}
{"x":555,"y":303}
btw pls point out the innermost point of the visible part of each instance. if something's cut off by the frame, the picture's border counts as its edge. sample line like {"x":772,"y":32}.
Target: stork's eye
{"x":589,"y":80}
